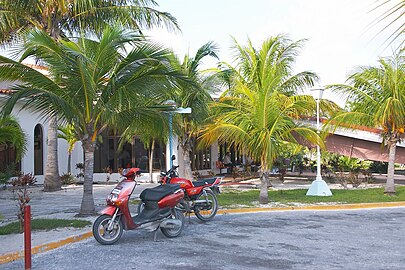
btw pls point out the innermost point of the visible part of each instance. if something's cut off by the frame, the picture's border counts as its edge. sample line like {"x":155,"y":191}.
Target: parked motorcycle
{"x":159,"y":210}
{"x":199,"y":196}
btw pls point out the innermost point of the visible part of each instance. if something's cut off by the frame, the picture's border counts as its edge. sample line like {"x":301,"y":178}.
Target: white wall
{"x":28,"y":121}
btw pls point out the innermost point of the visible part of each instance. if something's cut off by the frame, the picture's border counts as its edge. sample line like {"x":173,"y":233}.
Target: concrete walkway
{"x":66,"y":204}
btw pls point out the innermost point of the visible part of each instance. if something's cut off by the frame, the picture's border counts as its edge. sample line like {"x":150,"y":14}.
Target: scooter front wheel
{"x":174,"y":232}
{"x":101,"y":232}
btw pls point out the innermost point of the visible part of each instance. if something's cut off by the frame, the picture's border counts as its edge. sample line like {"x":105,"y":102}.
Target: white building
{"x":34,"y":160}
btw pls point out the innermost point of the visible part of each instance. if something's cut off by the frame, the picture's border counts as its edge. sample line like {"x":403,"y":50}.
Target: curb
{"x":314,"y":207}
{"x":9,"y":257}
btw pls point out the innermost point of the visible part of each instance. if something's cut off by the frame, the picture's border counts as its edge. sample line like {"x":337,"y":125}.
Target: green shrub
{"x":7,"y":173}
{"x":67,"y":179}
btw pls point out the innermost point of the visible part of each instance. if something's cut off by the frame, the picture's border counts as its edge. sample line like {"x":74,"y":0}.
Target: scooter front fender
{"x":109,"y":210}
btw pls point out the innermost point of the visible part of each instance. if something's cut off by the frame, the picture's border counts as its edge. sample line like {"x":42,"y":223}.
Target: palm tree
{"x":259,"y":111}
{"x":12,"y":134}
{"x":393,"y":12}
{"x":376,"y":98}
{"x":194,"y":94}
{"x":91,"y":85}
{"x":63,"y":18}
{"x":68,"y":134}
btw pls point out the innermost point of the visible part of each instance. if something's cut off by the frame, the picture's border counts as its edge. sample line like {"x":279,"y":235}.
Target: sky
{"x":339,"y":33}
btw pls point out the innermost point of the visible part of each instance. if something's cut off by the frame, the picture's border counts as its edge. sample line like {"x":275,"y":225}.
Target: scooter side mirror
{"x":173,"y":157}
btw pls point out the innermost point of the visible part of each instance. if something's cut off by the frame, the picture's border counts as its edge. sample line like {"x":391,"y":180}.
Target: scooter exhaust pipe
{"x":201,"y":201}
{"x":170,"y":223}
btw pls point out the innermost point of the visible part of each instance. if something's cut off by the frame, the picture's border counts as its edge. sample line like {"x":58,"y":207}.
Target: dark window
{"x":134,"y":154}
{"x":38,"y":150}
{"x":141,"y":155}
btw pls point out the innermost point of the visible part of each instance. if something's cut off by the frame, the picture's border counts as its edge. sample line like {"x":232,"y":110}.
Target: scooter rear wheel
{"x":101,"y":232}
{"x":171,"y":233}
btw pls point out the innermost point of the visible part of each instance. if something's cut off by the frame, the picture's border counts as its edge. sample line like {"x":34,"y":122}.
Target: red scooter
{"x":199,"y":196}
{"x":159,"y":210}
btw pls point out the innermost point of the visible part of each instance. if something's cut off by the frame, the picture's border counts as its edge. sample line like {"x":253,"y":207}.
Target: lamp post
{"x":173,"y":109}
{"x":318,"y":186}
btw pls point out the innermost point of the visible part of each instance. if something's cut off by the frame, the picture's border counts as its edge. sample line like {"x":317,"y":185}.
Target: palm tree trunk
{"x":69,"y":166}
{"x":152,"y":149}
{"x":264,"y":192}
{"x":390,"y":184}
{"x":87,"y":207}
{"x":52,"y":180}
{"x":187,"y":171}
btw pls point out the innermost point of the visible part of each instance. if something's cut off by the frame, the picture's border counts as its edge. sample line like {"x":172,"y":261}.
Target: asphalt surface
{"x":351,"y":239}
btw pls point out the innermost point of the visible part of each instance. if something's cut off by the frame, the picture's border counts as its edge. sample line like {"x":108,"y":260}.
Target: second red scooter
{"x":159,"y":210}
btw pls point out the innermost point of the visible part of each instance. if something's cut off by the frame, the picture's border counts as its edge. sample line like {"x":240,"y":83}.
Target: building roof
{"x":5,"y":91}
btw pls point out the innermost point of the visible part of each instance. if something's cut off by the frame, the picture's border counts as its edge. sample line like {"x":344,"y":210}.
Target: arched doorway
{"x":38,"y":150}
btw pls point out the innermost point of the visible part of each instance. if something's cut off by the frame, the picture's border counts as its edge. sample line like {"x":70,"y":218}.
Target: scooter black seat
{"x":207,"y":181}
{"x":157,"y":193}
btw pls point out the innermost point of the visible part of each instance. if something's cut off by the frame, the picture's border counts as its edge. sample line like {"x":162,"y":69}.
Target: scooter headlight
{"x":113,"y":195}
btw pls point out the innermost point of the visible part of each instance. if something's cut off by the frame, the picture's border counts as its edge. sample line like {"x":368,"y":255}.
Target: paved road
{"x":357,"y":239}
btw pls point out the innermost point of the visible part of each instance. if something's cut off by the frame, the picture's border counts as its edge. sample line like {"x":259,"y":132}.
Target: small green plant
{"x":379,"y":167}
{"x":67,"y":179}
{"x":20,"y":193}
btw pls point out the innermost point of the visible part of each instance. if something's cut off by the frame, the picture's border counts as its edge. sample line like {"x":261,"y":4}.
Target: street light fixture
{"x":173,"y":109}
{"x":318,"y":186}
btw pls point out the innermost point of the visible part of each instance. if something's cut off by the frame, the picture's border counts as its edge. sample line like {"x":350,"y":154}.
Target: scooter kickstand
{"x":189,"y":217}
{"x":155,"y":236}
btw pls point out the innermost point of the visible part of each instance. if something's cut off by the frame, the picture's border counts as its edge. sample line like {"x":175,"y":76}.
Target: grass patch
{"x":230,"y":198}
{"x":44,"y":224}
